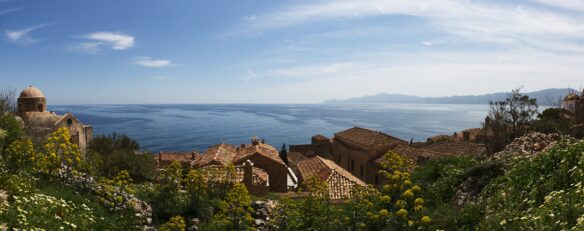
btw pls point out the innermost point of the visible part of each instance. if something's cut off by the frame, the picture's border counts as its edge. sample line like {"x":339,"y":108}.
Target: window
{"x":376,"y":179}
{"x":69,"y":122}
{"x":352,"y":165}
{"x":361,"y":171}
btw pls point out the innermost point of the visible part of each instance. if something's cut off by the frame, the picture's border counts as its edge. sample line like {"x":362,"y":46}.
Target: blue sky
{"x":136,"y":51}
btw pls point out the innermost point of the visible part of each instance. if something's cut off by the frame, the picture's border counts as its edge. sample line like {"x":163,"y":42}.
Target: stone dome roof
{"x":31,"y":92}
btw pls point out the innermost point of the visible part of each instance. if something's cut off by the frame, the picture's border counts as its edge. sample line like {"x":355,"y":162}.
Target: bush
{"x":114,"y":153}
{"x":545,"y":191}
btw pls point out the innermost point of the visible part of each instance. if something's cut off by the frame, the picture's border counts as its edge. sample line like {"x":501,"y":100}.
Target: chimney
{"x":160,"y":156}
{"x":263,"y":141}
{"x":254,"y":141}
{"x":193,"y":154}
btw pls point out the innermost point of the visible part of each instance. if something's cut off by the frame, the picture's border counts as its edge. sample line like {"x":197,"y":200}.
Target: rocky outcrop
{"x":529,"y":145}
{"x":263,"y":214}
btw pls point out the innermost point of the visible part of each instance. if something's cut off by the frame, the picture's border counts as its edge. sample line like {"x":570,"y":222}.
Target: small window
{"x":41,"y":107}
{"x":361,"y":171}
{"x":69,"y":122}
{"x":352,"y":165}
{"x":376,"y":179}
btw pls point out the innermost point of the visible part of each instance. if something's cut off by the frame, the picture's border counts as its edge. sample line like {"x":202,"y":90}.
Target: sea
{"x":198,"y":126}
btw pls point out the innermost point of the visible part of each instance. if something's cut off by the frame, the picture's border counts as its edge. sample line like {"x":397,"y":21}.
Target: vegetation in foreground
{"x":49,"y":185}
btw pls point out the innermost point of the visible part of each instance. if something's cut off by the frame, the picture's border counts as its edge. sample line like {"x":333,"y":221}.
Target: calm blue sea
{"x":185,"y":127}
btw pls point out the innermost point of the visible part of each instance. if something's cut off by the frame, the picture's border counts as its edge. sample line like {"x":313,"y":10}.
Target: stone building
{"x":356,"y":150}
{"x":574,"y":104}
{"x":39,"y":122}
{"x":340,"y":182}
{"x":319,"y":145}
{"x":265,"y":169}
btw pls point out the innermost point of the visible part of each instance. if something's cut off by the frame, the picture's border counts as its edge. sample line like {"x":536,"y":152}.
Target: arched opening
{"x":41,"y":107}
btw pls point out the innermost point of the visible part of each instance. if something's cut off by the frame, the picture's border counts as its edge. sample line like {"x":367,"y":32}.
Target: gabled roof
{"x":340,"y":181}
{"x":323,"y":168}
{"x":260,"y":149}
{"x":165,"y":158}
{"x":373,"y":139}
{"x":295,"y":157}
{"x":413,"y":154}
{"x":220,"y":154}
{"x":458,"y":148}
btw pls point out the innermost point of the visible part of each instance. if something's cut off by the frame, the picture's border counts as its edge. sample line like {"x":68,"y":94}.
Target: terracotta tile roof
{"x":320,"y":138}
{"x":165,"y":158}
{"x":414,"y":155}
{"x":218,"y":174}
{"x":376,"y":140}
{"x":340,"y":182}
{"x":458,"y":148}
{"x":295,"y":157}
{"x":261,"y":149}
{"x":220,"y":154}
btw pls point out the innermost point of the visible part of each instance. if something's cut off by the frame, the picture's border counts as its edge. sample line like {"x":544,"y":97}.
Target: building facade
{"x":39,"y":122}
{"x":574,"y":104}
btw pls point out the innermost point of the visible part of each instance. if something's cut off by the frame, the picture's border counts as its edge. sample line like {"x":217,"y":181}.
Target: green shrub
{"x":545,"y":191}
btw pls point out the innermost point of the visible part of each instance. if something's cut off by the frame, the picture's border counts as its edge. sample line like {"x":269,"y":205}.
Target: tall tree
{"x":516,"y":113}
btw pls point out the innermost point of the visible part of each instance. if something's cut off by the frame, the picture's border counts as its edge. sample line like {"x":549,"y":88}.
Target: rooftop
{"x":373,"y":139}
{"x":340,"y":181}
{"x":31,"y":92}
{"x":458,"y":148}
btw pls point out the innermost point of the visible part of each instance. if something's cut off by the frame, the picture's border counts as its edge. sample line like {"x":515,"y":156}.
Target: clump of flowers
{"x":42,"y":212}
{"x":112,"y":192}
{"x":407,"y":207}
{"x":176,"y":223}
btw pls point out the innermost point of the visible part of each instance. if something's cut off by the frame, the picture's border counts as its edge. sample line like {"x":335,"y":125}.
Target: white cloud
{"x":7,"y":11}
{"x":249,"y":18}
{"x":22,"y":35}
{"x":114,"y":40}
{"x":151,"y":62}
{"x":577,"y":5}
{"x":476,"y":21}
{"x":312,"y":71}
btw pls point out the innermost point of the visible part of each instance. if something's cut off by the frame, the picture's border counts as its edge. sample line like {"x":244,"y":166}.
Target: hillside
{"x":544,"y":97}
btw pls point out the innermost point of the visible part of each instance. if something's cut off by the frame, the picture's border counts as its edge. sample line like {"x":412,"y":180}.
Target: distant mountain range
{"x":547,"y":97}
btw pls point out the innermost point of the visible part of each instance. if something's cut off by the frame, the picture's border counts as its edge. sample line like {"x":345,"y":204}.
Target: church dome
{"x":31,"y":92}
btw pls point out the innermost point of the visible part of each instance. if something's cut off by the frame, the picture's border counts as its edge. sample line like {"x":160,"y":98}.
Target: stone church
{"x":574,"y":104}
{"x":32,"y":108}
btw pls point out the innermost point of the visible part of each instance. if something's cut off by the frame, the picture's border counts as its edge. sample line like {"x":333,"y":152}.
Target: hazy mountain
{"x":544,"y":97}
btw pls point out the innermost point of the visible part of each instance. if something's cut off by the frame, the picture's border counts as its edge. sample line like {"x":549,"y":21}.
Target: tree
{"x":12,"y":130}
{"x":115,"y":152}
{"x":284,"y":154}
{"x":516,"y":113}
{"x":7,"y":100}
{"x":235,"y":211}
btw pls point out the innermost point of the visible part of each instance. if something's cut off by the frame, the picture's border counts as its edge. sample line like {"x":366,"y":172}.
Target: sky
{"x":217,"y":51}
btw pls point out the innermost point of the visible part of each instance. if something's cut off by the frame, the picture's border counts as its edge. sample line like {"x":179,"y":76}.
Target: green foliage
{"x":235,"y":211}
{"x":545,"y":191}
{"x":402,"y":205}
{"x":32,"y":212}
{"x":551,"y":121}
{"x":176,"y":223}
{"x":113,"y":153}
{"x":11,"y":130}
{"x":58,"y":151}
{"x":32,"y":199}
{"x":111,"y":191}
{"x":196,"y":186}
